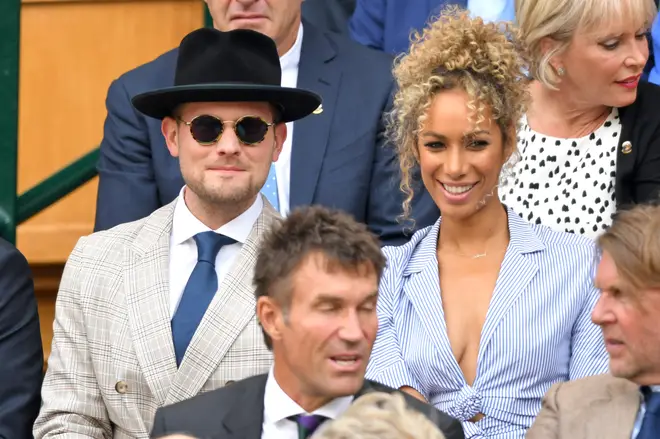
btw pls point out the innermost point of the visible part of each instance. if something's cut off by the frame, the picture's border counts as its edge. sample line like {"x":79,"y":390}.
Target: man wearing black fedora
{"x":160,"y":309}
{"x":336,"y":157}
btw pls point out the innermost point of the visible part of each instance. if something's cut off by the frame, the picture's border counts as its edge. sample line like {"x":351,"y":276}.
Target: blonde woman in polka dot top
{"x":590,"y":141}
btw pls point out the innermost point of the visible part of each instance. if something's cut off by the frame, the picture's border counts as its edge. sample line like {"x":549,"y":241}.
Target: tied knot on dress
{"x":307,"y":424}
{"x":651,"y":421}
{"x":199,"y":291}
{"x":467,"y":404}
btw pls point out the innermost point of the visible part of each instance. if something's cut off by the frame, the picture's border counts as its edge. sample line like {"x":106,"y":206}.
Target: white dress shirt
{"x":183,"y":249}
{"x":289,"y":63}
{"x":278,"y":407}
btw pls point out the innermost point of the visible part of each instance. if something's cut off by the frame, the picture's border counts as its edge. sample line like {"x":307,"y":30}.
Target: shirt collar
{"x":654,"y":389}
{"x":185,"y":225}
{"x":291,"y":58}
{"x":278,"y":406}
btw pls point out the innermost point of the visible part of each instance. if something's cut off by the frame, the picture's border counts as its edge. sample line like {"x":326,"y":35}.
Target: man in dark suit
{"x":316,"y":282}
{"x":21,"y":354}
{"x":335,"y":157}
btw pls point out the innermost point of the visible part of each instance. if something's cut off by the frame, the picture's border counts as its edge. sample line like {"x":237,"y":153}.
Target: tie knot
{"x":308,"y":423}
{"x":209,"y":244}
{"x":652,"y":400}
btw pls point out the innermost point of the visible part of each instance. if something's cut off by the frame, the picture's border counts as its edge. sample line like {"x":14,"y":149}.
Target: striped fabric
{"x":538,"y":330}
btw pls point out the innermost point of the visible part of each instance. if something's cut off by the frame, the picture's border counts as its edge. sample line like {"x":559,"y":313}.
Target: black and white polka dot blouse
{"x":565,"y":184}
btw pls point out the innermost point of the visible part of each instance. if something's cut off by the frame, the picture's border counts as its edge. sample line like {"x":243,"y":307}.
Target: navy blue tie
{"x":651,"y":421}
{"x":199,"y":291}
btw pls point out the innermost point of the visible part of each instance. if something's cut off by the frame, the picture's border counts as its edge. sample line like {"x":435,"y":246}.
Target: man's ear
{"x":548,"y":45}
{"x":270,"y":316}
{"x":280,"y":137}
{"x":170,"y":129}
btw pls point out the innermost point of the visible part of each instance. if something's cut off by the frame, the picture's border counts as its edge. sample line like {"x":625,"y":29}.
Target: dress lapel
{"x":146,"y":283}
{"x":516,"y":272}
{"x":228,"y":314}
{"x":321,"y":73}
{"x":423,"y":289}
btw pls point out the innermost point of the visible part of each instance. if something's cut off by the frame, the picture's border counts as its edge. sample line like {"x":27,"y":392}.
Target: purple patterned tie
{"x":307,"y":424}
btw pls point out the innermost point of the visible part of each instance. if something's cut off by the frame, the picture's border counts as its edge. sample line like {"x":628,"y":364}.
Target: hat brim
{"x":294,"y":103}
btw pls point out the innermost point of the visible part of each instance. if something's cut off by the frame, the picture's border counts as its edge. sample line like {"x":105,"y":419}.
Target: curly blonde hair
{"x":486,"y":60}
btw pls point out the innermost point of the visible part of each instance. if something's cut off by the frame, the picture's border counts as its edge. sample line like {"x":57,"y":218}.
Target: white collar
{"x":278,"y":406}
{"x":291,"y":58}
{"x":185,"y":225}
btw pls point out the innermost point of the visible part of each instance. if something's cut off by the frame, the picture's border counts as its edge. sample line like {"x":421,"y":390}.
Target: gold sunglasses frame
{"x":222,"y":123}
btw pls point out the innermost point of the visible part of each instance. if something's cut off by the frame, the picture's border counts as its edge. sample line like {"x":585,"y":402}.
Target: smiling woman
{"x":480,"y":313}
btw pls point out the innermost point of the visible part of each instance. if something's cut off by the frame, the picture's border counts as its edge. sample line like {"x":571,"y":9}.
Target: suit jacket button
{"x":227,"y":383}
{"x":121,"y":387}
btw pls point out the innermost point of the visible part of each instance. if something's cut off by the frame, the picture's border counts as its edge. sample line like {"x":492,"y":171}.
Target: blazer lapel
{"x":246,"y":417}
{"x":230,"y":311}
{"x":317,"y":72}
{"x":423,"y":289}
{"x":626,"y":154}
{"x":146,"y":283}
{"x":516,"y":272}
{"x":613,"y":418}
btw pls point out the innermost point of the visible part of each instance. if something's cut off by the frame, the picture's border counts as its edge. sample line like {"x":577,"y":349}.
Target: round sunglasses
{"x":207,"y":129}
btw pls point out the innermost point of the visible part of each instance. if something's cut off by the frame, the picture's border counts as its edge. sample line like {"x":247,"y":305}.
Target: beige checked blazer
{"x":597,"y":407}
{"x":112,"y":362}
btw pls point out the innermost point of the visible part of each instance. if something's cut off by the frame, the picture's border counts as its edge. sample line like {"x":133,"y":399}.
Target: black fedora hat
{"x":236,"y":66}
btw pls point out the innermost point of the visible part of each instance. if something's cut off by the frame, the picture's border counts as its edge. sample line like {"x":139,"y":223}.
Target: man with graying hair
{"x":624,"y":404}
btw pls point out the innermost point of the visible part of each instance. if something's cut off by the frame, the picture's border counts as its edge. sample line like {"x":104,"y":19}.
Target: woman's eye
{"x":478,"y":144}
{"x":610,"y":46}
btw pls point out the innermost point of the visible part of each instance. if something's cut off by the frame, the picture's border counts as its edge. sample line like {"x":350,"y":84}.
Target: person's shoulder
{"x":210,"y":400}
{"x":11,"y":256}
{"x":108,"y":244}
{"x":551,"y":239}
{"x":593,"y":387}
{"x":645,"y":107}
{"x":398,"y":256}
{"x":7,"y":249}
{"x":648,"y":94}
{"x":156,"y":73}
{"x":556,"y":238}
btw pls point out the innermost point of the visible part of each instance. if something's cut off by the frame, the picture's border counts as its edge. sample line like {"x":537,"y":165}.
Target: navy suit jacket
{"x":21,"y":353}
{"x":338,"y":157}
